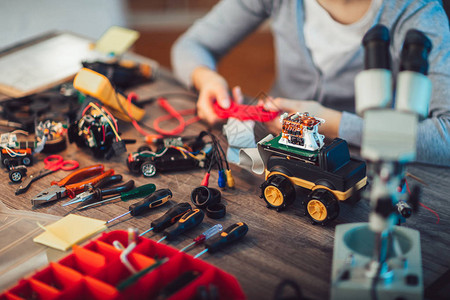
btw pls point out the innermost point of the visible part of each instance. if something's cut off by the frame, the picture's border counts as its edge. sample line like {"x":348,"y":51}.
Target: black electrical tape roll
{"x":216,"y":211}
{"x":203,"y":196}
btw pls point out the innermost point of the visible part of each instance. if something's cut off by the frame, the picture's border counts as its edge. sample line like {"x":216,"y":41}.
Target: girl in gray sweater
{"x":318,"y":54}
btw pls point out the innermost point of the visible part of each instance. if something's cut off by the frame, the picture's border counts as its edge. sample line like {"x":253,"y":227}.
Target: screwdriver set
{"x":97,"y":271}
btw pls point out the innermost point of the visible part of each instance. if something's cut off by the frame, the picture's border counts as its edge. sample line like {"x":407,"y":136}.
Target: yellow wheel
{"x":321,"y":206}
{"x":277,"y":191}
{"x":273,"y":195}
{"x":317,"y":210}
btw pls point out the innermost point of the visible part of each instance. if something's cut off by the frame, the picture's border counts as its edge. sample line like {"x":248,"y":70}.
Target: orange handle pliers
{"x":72,"y":184}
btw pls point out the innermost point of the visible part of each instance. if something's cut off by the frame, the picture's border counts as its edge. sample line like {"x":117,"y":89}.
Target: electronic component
{"x":175,"y":155}
{"x":97,"y":129}
{"x":53,"y":135}
{"x":15,"y":153}
{"x":301,"y":130}
{"x":98,"y":86}
{"x":53,"y":104}
{"x":123,"y":73}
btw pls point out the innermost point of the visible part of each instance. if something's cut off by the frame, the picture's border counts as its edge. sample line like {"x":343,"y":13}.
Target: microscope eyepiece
{"x":376,"y":48}
{"x":415,"y":51}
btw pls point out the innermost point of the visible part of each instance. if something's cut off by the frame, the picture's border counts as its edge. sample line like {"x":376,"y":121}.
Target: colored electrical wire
{"x":101,"y":111}
{"x":423,"y":205}
{"x":130,"y":97}
{"x":172,"y":114}
{"x":12,"y":153}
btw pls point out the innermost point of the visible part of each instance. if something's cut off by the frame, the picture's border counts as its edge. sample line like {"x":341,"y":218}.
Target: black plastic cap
{"x":376,"y":48}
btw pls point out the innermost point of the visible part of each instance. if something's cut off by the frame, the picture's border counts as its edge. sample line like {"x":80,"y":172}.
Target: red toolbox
{"x":94,"y":271}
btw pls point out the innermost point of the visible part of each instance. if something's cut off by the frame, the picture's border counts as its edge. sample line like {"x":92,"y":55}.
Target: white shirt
{"x":329,"y":41}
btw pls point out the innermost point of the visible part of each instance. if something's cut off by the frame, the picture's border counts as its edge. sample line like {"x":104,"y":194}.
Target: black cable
{"x":373,"y":287}
{"x":279,"y":290}
{"x":225,"y":157}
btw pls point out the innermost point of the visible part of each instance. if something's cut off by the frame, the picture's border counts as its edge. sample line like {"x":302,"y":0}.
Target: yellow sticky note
{"x":116,"y":40}
{"x":69,"y":231}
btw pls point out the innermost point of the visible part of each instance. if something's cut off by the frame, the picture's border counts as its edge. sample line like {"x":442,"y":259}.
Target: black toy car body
{"x":329,"y":175}
{"x":167,"y":159}
{"x":16,"y":157}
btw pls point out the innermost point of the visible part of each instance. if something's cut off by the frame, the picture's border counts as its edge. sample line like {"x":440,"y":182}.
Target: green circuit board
{"x":274,"y":144}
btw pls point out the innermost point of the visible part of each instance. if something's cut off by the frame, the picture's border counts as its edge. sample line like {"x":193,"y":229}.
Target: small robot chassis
{"x":167,"y":159}
{"x":328,"y":173}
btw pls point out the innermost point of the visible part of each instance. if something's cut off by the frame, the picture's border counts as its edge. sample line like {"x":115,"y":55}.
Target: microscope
{"x":378,"y":259}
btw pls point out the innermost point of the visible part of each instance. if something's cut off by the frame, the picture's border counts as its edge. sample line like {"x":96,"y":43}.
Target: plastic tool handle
{"x":138,"y":192}
{"x":232,"y":234}
{"x":75,"y":188}
{"x":80,"y":175}
{"x":110,"y":180}
{"x":156,"y":199}
{"x":208,"y":233}
{"x":171,"y":216}
{"x":99,"y":193}
{"x":188,"y":221}
{"x":177,"y":284}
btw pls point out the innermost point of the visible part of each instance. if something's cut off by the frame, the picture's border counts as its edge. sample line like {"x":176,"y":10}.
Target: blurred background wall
{"x":250,"y":65}
{"x":160,"y":22}
{"x":21,"y":20}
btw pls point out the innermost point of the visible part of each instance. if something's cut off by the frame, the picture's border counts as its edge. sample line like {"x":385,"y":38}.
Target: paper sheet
{"x":40,"y":66}
{"x":69,"y":231}
{"x":116,"y":40}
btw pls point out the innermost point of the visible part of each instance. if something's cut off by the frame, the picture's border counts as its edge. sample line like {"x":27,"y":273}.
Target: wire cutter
{"x":52,"y":163}
{"x":72,"y":184}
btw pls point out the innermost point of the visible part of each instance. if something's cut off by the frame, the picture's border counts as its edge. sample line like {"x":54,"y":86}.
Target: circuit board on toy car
{"x":274,"y":146}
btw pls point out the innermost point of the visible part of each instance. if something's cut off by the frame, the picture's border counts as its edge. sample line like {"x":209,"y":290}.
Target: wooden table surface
{"x":279,"y":245}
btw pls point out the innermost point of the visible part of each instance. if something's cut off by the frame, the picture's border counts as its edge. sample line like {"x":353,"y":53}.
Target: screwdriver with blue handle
{"x":139,"y":192}
{"x":230,"y":235}
{"x":169,"y":218}
{"x":156,"y":199}
{"x":188,"y":221}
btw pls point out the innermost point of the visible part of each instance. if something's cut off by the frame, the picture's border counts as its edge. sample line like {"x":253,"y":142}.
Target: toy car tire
{"x":26,"y":161}
{"x":144,"y":148}
{"x":278,"y":191}
{"x":134,"y":167}
{"x":148,"y":169}
{"x":5,"y":162}
{"x":15,"y":176}
{"x":321,"y":206}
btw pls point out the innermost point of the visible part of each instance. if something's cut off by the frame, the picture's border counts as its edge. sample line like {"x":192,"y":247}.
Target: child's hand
{"x":212,"y":87}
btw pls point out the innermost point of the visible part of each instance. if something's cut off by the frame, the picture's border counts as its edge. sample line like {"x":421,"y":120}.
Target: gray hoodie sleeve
{"x":433,"y":137}
{"x":212,"y":36}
